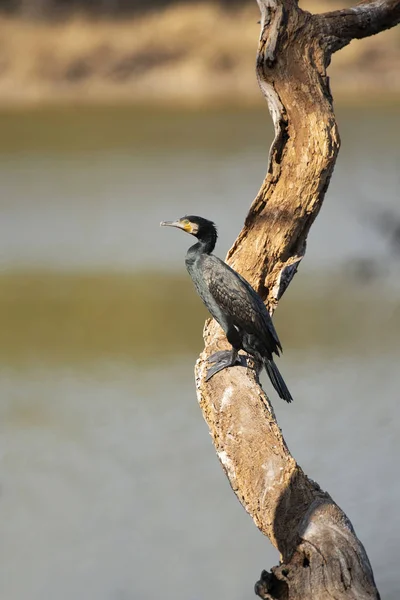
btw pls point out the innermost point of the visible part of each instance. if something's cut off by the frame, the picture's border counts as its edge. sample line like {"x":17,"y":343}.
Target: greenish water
{"x":80,"y":318}
{"x":107,"y":471}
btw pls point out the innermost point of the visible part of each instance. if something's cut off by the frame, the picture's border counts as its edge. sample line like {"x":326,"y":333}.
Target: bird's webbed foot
{"x":222,"y":360}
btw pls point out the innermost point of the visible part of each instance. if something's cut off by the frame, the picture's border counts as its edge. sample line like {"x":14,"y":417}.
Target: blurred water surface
{"x":109,"y":485}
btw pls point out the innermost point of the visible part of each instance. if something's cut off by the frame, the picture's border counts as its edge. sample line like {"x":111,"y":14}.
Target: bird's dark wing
{"x":263,"y":312}
{"x":239,"y":302}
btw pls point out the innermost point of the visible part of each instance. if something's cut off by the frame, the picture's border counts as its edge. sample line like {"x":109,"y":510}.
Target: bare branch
{"x":321,"y":555}
{"x":364,"y":20}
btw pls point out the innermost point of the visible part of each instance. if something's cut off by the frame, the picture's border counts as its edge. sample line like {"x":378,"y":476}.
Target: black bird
{"x":232,"y":302}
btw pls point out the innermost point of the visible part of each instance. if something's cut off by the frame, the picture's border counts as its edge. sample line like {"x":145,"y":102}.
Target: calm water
{"x":109,"y":485}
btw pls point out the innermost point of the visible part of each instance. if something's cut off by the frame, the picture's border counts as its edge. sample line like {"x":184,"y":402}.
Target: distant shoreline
{"x":187,"y":56}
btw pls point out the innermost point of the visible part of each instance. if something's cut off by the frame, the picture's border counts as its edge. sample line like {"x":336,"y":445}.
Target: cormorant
{"x":233,"y":303}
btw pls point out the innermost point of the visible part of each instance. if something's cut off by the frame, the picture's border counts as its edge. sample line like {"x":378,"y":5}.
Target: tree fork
{"x":321,"y":556}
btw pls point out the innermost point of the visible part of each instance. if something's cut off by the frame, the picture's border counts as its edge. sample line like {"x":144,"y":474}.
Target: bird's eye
{"x":186,"y":221}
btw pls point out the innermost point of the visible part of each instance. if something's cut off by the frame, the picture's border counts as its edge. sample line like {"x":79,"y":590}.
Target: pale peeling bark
{"x":321,"y":557}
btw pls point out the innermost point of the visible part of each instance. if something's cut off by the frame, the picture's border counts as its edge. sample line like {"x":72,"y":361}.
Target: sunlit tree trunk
{"x":321,"y":556}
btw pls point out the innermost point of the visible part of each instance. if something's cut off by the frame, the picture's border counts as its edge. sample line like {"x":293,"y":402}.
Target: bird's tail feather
{"x":277,"y":380}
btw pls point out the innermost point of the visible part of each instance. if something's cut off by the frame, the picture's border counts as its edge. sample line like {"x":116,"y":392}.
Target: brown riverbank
{"x":187,"y":55}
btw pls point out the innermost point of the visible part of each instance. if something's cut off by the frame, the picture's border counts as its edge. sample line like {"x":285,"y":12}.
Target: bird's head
{"x":197,"y":226}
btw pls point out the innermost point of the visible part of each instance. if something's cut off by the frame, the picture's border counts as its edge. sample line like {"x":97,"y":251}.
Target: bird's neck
{"x":205,"y":245}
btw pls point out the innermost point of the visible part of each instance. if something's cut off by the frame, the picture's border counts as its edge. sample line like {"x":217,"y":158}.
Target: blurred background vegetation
{"x":163,"y":52}
{"x":54,"y":8}
{"x":48,"y":9}
{"x":113,"y":117}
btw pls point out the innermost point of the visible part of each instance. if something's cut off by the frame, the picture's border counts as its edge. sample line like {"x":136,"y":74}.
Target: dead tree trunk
{"x":321,"y":556}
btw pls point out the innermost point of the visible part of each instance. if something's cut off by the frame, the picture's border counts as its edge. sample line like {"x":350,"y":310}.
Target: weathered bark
{"x":321,"y":556}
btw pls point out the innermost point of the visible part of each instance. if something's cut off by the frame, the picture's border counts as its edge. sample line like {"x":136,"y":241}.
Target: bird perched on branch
{"x":233,"y":303}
